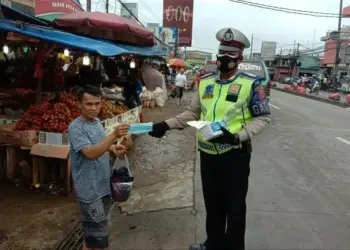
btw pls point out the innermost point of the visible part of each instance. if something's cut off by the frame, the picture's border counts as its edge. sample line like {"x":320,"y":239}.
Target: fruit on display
{"x":32,"y":119}
{"x":56,"y":117}
{"x":50,"y":117}
{"x":21,"y":92}
{"x":109,"y":110}
{"x":48,"y":96}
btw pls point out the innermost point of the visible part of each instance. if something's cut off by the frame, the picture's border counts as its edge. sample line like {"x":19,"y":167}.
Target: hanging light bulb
{"x":66,"y":52}
{"x":132,"y":64}
{"x":168,"y":64}
{"x":86,"y":60}
{"x":6,"y":49}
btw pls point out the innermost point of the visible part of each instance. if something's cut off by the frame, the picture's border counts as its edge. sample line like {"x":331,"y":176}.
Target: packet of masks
{"x":208,"y":130}
{"x":140,"y":128}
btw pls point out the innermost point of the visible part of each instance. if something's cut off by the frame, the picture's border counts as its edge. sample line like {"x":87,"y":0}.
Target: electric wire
{"x":287,"y":10}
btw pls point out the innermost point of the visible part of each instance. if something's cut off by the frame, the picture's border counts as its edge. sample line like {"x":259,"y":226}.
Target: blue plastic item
{"x":140,"y":128}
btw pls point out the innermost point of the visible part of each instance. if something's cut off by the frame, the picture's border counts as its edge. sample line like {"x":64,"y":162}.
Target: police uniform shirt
{"x":261,"y":118}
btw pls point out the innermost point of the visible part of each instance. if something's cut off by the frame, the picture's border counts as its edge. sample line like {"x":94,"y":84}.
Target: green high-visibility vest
{"x":228,"y":102}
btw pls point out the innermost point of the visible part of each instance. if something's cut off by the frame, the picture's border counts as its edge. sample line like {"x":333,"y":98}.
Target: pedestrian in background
{"x":239,"y":101}
{"x":90,"y":166}
{"x":197,"y":80}
{"x":180,"y":84}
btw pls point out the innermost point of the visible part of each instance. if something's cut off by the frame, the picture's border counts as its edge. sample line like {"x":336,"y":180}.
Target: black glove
{"x":159,"y":129}
{"x":227,"y":138}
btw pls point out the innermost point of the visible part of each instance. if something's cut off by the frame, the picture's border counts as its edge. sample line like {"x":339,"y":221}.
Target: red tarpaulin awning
{"x":105,"y":26}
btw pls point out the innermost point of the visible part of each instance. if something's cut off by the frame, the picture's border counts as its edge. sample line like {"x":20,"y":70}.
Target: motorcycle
{"x":314,"y":87}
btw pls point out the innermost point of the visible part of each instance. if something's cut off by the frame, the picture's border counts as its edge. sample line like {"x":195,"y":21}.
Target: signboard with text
{"x":168,"y":35}
{"x":132,"y":7}
{"x":154,"y":27}
{"x":179,"y":13}
{"x":268,"y":51}
{"x":48,"y":7}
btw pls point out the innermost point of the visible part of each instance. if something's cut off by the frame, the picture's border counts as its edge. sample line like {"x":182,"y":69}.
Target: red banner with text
{"x":179,"y":13}
{"x":61,"y":6}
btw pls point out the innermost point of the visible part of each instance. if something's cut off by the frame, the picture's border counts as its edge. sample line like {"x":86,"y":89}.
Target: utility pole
{"x":176,"y":41}
{"x":88,"y":5}
{"x":294,"y":47}
{"x":313,"y":40}
{"x":337,"y":59}
{"x":251,"y":46}
{"x":296,"y":58}
{"x":107,"y":6}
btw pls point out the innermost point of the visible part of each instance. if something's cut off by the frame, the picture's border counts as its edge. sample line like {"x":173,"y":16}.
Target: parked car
{"x":258,"y":68}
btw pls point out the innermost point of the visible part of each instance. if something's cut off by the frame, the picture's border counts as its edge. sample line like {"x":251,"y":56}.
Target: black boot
{"x":198,"y":247}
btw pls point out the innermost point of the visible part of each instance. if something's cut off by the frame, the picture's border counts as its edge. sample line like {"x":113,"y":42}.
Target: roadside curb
{"x":316,"y":98}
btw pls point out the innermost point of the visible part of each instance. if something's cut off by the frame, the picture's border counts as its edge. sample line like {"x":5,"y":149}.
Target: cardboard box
{"x":17,"y":138}
{"x":58,"y":139}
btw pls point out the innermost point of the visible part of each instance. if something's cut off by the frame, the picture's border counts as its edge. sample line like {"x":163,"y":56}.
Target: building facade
{"x":198,"y":58}
{"x":330,"y":46}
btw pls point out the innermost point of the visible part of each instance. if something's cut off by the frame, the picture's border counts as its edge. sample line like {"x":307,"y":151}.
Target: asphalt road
{"x":299,"y":195}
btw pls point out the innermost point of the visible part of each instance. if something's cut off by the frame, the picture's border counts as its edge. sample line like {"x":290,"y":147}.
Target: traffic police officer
{"x":239,"y":100}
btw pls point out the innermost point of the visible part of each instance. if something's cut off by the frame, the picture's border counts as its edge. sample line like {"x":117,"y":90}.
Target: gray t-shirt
{"x":91,"y":178}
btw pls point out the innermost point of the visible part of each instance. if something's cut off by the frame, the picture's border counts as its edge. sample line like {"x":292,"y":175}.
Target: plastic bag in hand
{"x":121,"y":180}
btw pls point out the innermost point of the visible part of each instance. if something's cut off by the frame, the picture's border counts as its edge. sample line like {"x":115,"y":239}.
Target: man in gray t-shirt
{"x":90,"y":166}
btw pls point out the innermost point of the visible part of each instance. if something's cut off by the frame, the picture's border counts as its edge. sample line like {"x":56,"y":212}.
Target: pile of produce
{"x":109,"y":110}
{"x":23,"y":92}
{"x":50,"y":117}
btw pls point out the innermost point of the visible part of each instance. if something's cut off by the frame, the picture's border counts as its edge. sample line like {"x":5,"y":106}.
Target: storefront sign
{"x":43,"y":7}
{"x":179,"y":13}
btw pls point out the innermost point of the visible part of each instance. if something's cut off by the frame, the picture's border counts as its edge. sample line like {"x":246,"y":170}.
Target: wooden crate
{"x":10,"y":159}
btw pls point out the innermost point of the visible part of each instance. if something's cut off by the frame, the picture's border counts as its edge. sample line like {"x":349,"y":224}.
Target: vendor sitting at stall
{"x":131,"y":95}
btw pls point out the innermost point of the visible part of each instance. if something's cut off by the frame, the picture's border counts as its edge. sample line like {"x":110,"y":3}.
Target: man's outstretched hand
{"x":159,"y":129}
{"x":227,"y":138}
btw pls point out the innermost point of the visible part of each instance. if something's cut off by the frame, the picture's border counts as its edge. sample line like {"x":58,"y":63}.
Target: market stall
{"x":40,"y":67}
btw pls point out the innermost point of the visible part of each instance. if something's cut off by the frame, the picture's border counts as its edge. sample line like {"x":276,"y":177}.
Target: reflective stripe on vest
{"x":216,"y":107}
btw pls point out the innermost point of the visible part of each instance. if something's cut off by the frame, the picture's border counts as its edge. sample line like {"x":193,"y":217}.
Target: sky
{"x":265,"y":25}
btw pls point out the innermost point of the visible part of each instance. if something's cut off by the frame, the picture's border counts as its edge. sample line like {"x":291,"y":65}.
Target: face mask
{"x":227,"y":64}
{"x":140,"y":128}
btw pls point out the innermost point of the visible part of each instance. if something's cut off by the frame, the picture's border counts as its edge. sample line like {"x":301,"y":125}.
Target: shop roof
{"x":74,"y":41}
{"x":106,"y":26}
{"x":13,"y":14}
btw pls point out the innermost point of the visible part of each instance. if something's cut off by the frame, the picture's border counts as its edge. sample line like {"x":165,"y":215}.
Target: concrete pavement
{"x":299,"y":187}
{"x":300,"y":176}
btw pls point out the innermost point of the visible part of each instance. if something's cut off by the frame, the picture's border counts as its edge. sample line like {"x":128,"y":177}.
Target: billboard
{"x":154,"y":27}
{"x":179,"y":13}
{"x":268,"y":51}
{"x":168,"y":35}
{"x":133,"y":7}
{"x":50,"y":10}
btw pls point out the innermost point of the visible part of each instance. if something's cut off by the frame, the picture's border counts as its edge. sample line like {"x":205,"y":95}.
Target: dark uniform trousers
{"x":225,"y":187}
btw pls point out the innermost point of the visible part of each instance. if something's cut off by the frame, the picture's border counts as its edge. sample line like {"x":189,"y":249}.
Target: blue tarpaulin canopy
{"x":142,"y":51}
{"x":74,"y":41}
